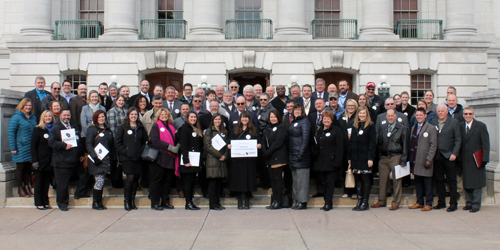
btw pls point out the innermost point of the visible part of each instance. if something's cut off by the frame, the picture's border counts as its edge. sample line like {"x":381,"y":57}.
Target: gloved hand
{"x":299,"y":157}
{"x":35,"y":165}
{"x":174,"y":149}
{"x":97,"y":161}
{"x":484,"y":164}
{"x":428,"y":164}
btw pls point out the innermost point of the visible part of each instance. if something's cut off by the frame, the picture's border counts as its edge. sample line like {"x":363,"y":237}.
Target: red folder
{"x":478,"y":157}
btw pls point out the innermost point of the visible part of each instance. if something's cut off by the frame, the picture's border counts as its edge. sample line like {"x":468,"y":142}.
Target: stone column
{"x":207,"y":17}
{"x":119,"y":20}
{"x":37,"y":20}
{"x":459,"y":19}
{"x":291,"y":17}
{"x":376,"y":23}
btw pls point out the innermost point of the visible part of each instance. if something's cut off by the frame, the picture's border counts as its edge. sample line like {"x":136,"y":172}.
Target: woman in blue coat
{"x":21,"y":126}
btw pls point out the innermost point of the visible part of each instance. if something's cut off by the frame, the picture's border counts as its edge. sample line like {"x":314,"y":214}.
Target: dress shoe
{"x":181,"y":194}
{"x":377,"y":205}
{"x":295,"y":205}
{"x":318,"y":195}
{"x":191,"y":206}
{"x":323,"y":207}
{"x":216,"y":208}
{"x":48,"y":207}
{"x":270,"y":206}
{"x":452,"y":209}
{"x":467,"y":208}
{"x":41,"y":208}
{"x":438,"y":207}
{"x":220,"y":206}
{"x":96,"y":206}
{"x":327,"y":207}
{"x":64,"y":209}
{"x":474,"y":210}
{"x":166,"y":205}
{"x":277,"y":205}
{"x":302,"y":206}
{"x":427,"y":208}
{"x":392,"y":208}
{"x":416,"y":206}
{"x":157,"y":207}
{"x":126,"y":205}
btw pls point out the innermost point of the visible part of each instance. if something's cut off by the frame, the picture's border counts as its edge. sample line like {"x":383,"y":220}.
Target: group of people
{"x":316,"y":134}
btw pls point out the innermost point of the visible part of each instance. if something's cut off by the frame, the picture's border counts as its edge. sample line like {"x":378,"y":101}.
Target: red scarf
{"x":168,"y":138}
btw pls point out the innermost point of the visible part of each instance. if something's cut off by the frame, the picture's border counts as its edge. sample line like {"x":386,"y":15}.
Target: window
{"x":406,"y":9}
{"x":76,"y":79}
{"x":169,"y":9}
{"x":420,"y":83}
{"x":327,"y":9}
{"x":248,"y":9}
{"x":92,"y":10}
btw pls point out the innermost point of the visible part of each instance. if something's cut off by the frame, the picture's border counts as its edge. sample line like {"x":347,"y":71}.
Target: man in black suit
{"x":279,"y":102}
{"x":144,"y":86}
{"x":55,"y":95}
{"x":375,"y":100}
{"x":320,"y":92}
{"x":174,"y":106}
{"x":288,"y":115}
{"x":233,"y":118}
{"x":449,"y":142}
{"x":37,"y":95}
{"x":345,"y":94}
{"x":205,"y":119}
{"x":306,"y":100}
{"x":475,"y":137}
{"x":104,"y":99}
{"x":316,"y":121}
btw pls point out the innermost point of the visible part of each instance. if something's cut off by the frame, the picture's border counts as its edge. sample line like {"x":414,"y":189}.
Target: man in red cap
{"x":377,"y":103}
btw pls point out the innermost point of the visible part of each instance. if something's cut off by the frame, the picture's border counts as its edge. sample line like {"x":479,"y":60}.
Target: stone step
{"x":258,"y":200}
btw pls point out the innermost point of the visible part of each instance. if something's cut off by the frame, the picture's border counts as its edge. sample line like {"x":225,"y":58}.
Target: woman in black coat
{"x":130,"y":140}
{"x":347,"y":119}
{"x":163,"y":171}
{"x":41,"y":155}
{"x":328,"y":154}
{"x":243,"y":174}
{"x":99,"y":133}
{"x":299,"y":156}
{"x":276,"y":156}
{"x":191,"y":139}
{"x":362,"y":146}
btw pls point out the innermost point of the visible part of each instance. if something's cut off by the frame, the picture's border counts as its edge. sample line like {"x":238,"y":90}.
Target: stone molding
{"x":337,"y":58}
{"x":161,"y":59}
{"x":248,"y":59}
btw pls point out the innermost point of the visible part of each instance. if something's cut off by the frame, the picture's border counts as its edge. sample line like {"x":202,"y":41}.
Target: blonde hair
{"x":368,"y":120}
{"x":157,"y":116}
{"x":41,"y":124}
{"x":355,"y":104}
{"x":23,"y":103}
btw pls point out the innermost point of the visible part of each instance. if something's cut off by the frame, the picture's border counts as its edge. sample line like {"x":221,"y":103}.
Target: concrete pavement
{"x":257,"y":228}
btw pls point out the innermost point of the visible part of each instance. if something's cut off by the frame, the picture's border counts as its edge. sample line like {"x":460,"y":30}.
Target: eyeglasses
{"x":234,"y":87}
{"x":56,"y":88}
{"x":468,"y":113}
{"x":263,"y":100}
{"x":389,"y":104}
{"x":240,"y":104}
{"x":197,"y":101}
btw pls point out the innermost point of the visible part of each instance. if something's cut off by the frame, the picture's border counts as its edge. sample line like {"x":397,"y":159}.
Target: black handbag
{"x":149,"y":153}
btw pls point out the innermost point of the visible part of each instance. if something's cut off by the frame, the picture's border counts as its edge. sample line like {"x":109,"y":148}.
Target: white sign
{"x":101,"y":151}
{"x":243,"y":148}
{"x":402,"y":171}
{"x":194,"y":159}
{"x":68,"y":136}
{"x":218,"y":142}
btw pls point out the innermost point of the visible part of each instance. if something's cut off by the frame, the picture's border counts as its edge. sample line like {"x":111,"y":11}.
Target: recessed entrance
{"x":250,"y":78}
{"x":165,"y":79}
{"x":335,"y":77}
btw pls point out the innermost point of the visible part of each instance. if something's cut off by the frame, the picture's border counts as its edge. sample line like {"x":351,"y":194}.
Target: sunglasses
{"x":370,"y":89}
{"x":240,"y":104}
{"x":197,"y":101}
{"x":233,"y":87}
{"x":56,"y":88}
{"x":333,"y":99}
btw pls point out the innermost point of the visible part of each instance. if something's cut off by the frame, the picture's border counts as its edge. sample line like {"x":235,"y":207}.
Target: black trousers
{"x":265,"y":181}
{"x":276,"y":176}
{"x":320,"y":184}
{"x":423,"y":186}
{"x":329,"y":179}
{"x":179,"y":184}
{"x":473,"y":197}
{"x":63,"y":176}
{"x":116,"y":174}
{"x":145,"y":174}
{"x":214,"y":188}
{"x":188,"y":180}
{"x":83,"y":180}
{"x":42,"y":184}
{"x":287,"y":179}
{"x":445,"y":171}
{"x":161,"y":180}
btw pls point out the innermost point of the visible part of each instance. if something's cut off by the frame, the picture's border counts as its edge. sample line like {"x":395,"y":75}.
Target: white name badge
{"x":129,"y":132}
{"x":248,"y":137}
{"x":343,"y":118}
{"x":258,"y":117}
{"x":389,"y":134}
{"x":253,"y":108}
{"x":295,"y":125}
{"x":46,"y":136}
{"x":327,"y":134}
{"x":361,"y":132}
{"x":400,"y":120}
{"x":235,"y":122}
{"x":406,"y":113}
{"x":374,"y":107}
{"x":194,"y":134}
{"x":162,"y":129}
{"x":383,"y":122}
{"x":275,"y":128}
{"x":426,"y":134}
{"x":101,"y":134}
{"x":177,"y":111}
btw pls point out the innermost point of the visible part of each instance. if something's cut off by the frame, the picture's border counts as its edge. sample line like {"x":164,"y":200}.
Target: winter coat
{"x":86,"y":118}
{"x":362,"y":147}
{"x":274,"y":144}
{"x":477,"y":138}
{"x":115,"y":118}
{"x":215,"y":167}
{"x":426,"y":150}
{"x":328,"y":149}
{"x":104,"y":136}
{"x":129,"y":143}
{"x":243,"y":174}
{"x":61,"y":157}
{"x":298,"y":141}
{"x":40,"y":150}
{"x":20,"y":129}
{"x":166,"y":159}
{"x":190,"y":142}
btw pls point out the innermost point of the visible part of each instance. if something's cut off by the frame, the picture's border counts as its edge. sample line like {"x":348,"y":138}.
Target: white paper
{"x":243,"y":148}
{"x":68,"y":136}
{"x":349,"y":130}
{"x":218,"y":142}
{"x":402,"y":171}
{"x":101,"y":151}
{"x":194,"y":159}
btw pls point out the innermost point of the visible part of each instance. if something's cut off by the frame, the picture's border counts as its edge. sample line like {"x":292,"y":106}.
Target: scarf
{"x":94,"y":107}
{"x":167,"y":137}
{"x":49,"y":126}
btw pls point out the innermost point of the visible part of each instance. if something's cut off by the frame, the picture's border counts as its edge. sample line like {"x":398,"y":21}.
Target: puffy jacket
{"x":263,"y":116}
{"x":396,"y":143}
{"x":20,"y":130}
{"x":130,"y":143}
{"x":274,"y":146}
{"x":96,"y":136}
{"x":328,"y":149}
{"x":298,"y":143}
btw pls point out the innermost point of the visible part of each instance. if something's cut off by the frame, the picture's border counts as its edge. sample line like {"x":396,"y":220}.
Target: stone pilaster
{"x":37,"y":20}
{"x":207,"y":18}
{"x":292,"y":17}
{"x":460,"y":20}
{"x":119,"y":20}
{"x":377,"y":20}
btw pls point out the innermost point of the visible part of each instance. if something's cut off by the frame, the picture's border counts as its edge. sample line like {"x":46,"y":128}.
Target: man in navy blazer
{"x":233,"y":118}
{"x":320,"y":90}
{"x":36,"y":95}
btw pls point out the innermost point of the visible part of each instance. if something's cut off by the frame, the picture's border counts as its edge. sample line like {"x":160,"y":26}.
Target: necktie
{"x":307,"y":106}
{"x":170,"y":106}
{"x":390,"y":128}
{"x":67,"y":126}
{"x":468,"y":129}
{"x":418,"y":129}
{"x":318,"y":120}
{"x":290,"y":119}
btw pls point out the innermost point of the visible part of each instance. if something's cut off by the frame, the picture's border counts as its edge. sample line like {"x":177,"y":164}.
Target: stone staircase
{"x":113,"y":197}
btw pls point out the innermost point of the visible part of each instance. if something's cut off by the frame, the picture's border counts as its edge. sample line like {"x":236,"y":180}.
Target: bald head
{"x":240,"y":103}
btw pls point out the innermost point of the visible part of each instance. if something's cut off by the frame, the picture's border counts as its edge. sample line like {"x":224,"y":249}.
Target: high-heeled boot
{"x":96,"y":199}
{"x":272,"y":202}
{"x":359,"y":191}
{"x":240,"y":205}
{"x":133,"y":192}
{"x":366,"y":196}
{"x":127,"y":196}
{"x":247,"y":201}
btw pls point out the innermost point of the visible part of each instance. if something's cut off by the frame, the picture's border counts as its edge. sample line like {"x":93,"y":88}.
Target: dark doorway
{"x":335,"y":77}
{"x":165,"y":79}
{"x":250,"y":79}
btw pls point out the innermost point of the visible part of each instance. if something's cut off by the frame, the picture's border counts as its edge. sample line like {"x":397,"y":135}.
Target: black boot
{"x":127,"y":196}
{"x":133,"y":192}
{"x":247,"y":201}
{"x":366,"y":196}
{"x":328,"y":206}
{"x":100,"y":200}
{"x":97,"y":196}
{"x":272,"y":202}
{"x":359,"y":191}
{"x":240,"y":206}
